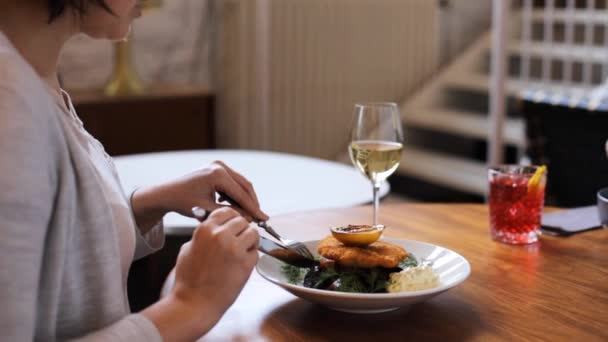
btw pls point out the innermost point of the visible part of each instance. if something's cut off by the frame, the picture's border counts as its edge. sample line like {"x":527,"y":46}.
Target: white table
{"x":284,"y":183}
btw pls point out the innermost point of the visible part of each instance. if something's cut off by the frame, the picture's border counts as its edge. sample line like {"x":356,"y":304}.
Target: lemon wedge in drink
{"x":534,"y":181}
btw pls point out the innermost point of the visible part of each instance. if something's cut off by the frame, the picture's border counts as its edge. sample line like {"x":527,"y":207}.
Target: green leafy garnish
{"x":364,"y":280}
{"x":320,"y":277}
{"x":410,"y":261}
{"x":345,"y":279}
{"x":351,"y":282}
{"x":326,"y":276}
{"x":379,"y":280}
{"x":294,"y":274}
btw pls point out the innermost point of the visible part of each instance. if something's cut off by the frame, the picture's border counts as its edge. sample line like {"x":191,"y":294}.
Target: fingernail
{"x":200,"y":213}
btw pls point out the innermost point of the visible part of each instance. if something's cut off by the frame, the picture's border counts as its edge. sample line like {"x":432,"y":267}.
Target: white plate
{"x":451,"y":267}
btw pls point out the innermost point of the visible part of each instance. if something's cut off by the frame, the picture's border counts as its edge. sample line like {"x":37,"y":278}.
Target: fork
{"x":297,"y":246}
{"x":295,"y":256}
{"x":291,"y":244}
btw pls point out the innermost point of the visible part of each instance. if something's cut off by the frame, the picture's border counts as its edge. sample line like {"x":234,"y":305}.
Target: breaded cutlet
{"x":377,"y":254}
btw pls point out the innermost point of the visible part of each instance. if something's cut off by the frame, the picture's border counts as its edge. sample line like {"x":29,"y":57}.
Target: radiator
{"x":287,"y":73}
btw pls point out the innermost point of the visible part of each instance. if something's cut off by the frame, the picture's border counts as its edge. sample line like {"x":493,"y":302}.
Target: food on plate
{"x":344,"y":268}
{"x":357,"y":235}
{"x":415,"y":278}
{"x":287,"y":255}
{"x":377,"y":254}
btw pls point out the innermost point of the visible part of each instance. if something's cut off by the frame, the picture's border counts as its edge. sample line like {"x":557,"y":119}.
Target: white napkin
{"x":572,"y":220}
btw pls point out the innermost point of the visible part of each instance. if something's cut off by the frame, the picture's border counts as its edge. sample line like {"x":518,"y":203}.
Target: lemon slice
{"x":357,"y":235}
{"x":534,"y":181}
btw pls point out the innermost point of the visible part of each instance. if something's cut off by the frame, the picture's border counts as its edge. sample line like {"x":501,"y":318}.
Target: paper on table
{"x":572,"y":220}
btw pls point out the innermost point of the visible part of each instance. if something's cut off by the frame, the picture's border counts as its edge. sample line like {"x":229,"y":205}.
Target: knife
{"x":268,"y":247}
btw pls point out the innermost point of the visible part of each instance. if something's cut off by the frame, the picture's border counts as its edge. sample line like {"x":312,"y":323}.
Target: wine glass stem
{"x":376,"y":188}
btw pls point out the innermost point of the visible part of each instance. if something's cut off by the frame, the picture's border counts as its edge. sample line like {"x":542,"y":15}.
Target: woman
{"x":67,"y":233}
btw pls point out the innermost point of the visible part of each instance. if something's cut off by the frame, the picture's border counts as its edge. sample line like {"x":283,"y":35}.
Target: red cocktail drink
{"x":516,"y":202}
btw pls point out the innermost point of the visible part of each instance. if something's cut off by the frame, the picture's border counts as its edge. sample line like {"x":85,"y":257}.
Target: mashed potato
{"x":412,"y":279}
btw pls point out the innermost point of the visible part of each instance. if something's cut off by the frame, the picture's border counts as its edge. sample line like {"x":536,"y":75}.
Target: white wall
{"x":290,"y":71}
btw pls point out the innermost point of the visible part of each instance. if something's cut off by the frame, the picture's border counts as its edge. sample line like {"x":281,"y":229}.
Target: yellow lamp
{"x":124,"y":80}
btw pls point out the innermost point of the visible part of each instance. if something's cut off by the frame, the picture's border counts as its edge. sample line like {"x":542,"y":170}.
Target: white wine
{"x":376,"y":159}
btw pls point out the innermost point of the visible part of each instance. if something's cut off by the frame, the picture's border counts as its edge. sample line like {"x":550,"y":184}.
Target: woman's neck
{"x":26,"y":24}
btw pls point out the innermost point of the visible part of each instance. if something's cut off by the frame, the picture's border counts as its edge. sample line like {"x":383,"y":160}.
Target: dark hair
{"x":57,"y":7}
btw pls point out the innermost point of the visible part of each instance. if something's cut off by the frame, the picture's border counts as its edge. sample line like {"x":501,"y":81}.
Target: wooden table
{"x":555,"y":290}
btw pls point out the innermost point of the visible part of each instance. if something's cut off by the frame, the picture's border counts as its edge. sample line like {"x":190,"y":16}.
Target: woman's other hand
{"x":198,"y":188}
{"x":210,"y":272}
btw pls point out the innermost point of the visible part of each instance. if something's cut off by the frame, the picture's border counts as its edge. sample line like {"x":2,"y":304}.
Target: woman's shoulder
{"x":15,"y":72}
{"x":23,"y":95}
{"x":25,"y":104}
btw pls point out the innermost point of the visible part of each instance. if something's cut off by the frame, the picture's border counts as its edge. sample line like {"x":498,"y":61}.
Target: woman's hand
{"x":211,"y":270}
{"x":198,"y":188}
{"x":213,"y":267}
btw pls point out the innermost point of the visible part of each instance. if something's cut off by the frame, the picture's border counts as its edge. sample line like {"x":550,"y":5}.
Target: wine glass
{"x":376,"y":143}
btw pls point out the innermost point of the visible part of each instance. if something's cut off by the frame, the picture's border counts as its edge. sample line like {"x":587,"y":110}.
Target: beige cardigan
{"x":59,"y":252}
